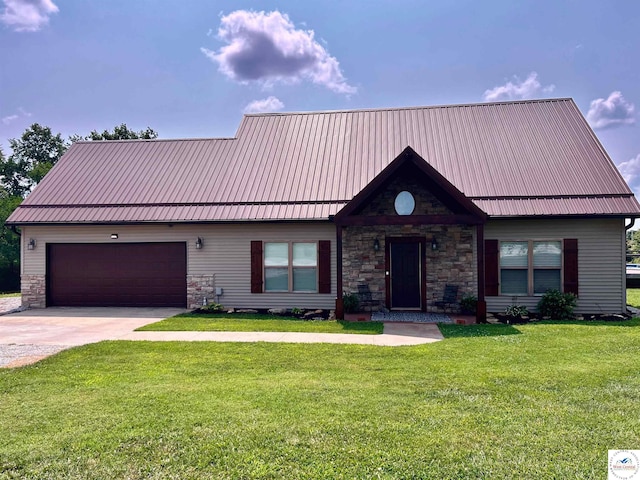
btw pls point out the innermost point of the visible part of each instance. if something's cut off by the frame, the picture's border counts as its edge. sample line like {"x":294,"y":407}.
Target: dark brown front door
{"x":109,"y":275}
{"x":405,"y":282}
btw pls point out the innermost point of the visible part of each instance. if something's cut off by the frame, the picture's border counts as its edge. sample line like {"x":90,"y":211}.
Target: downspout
{"x":633,"y":222}
{"x":628,"y":227}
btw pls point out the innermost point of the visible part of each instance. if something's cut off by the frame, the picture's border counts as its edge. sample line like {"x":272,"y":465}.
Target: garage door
{"x":126,"y":274}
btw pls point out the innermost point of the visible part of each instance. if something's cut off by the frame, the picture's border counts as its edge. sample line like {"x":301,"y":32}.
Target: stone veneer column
{"x":361,"y":263}
{"x":199,"y":288}
{"x":34,"y":291}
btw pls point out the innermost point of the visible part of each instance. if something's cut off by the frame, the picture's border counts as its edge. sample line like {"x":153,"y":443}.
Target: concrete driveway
{"x":28,"y":336}
{"x":76,"y":325}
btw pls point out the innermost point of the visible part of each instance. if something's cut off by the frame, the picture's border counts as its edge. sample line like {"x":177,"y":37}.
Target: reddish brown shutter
{"x":256,"y":266}
{"x":491,"y":268}
{"x":571,"y":265}
{"x":324,"y":266}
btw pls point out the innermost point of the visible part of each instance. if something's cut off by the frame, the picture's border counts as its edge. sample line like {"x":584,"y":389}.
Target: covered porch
{"x":407,"y":236}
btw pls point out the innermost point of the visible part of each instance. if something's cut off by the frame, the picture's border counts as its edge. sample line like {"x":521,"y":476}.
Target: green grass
{"x":537,"y":401}
{"x":10,"y":294}
{"x":633,"y":297}
{"x":246,"y":322}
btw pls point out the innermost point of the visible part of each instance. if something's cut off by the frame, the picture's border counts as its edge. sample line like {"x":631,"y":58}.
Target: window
{"x":530,"y":267}
{"x":290,"y":266}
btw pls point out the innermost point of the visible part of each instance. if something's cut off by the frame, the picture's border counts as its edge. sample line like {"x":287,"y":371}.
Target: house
{"x":504,"y":200}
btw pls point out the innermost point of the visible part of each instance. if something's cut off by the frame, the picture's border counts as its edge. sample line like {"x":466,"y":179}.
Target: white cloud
{"x":269,"y":104}
{"x":22,"y":113}
{"x":611,"y":112}
{"x":8,"y":119}
{"x":630,"y":171}
{"x":27,"y":15}
{"x":520,"y":90}
{"x":267,"y":48}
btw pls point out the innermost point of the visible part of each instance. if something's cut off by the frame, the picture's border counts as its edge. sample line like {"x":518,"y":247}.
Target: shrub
{"x":350,"y":302}
{"x":212,"y":307}
{"x":469,"y":303}
{"x":516,"y":311}
{"x":557,"y":305}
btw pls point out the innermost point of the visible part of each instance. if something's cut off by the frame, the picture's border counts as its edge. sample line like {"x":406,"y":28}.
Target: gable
{"x":411,"y":180}
{"x":436,"y":199}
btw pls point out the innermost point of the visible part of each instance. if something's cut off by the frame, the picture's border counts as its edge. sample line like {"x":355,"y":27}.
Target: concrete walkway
{"x":31,"y":335}
{"x":394,"y":335}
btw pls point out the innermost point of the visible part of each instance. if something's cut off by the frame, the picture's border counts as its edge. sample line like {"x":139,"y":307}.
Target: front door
{"x":405,"y":281}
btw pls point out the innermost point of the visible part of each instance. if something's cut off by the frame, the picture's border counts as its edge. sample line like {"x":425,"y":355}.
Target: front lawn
{"x":247,"y":322}
{"x":633,"y":297}
{"x":537,"y":401}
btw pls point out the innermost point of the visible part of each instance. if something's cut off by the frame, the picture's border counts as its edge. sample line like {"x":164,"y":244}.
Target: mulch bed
{"x":300,"y":314}
{"x":534,"y":317}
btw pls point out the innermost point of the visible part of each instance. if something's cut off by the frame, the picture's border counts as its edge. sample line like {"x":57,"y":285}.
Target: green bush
{"x":516,"y":311}
{"x":213,"y":308}
{"x":557,"y":305}
{"x":350,"y":302}
{"x":469,"y":304}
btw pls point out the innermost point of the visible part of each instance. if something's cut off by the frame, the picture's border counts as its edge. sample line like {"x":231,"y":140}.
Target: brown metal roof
{"x":514,"y":158}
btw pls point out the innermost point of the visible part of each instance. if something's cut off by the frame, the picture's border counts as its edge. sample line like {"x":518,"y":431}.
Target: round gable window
{"x":405,"y":203}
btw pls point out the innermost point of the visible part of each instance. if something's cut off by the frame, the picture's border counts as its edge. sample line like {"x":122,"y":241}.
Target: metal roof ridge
{"x":423,"y":107}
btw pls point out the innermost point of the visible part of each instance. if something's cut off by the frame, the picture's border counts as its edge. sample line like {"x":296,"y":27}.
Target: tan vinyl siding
{"x":601,"y":259}
{"x":225,"y":254}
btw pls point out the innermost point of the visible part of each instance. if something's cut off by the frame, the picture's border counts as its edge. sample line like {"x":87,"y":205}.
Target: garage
{"x":117,"y":275}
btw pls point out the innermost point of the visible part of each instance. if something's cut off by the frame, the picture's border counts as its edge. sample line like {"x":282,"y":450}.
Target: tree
{"x":32,"y":156}
{"x":122,"y":132}
{"x":633,"y":245}
{"x":9,"y":240}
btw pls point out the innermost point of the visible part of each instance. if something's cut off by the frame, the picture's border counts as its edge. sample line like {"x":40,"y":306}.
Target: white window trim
{"x":530,"y":267}
{"x":290,"y":266}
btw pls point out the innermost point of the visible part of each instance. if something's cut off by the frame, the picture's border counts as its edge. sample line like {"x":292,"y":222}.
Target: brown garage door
{"x":126,"y":274}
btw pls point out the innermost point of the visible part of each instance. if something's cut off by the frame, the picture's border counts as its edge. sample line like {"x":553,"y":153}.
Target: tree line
{"x":32,"y":156}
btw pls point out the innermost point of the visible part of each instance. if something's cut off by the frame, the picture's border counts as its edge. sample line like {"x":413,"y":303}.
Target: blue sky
{"x":191,"y":68}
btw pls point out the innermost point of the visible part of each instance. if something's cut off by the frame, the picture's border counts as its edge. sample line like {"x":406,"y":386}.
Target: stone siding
{"x":34,"y":291}
{"x":201,"y":289}
{"x":453,"y":261}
